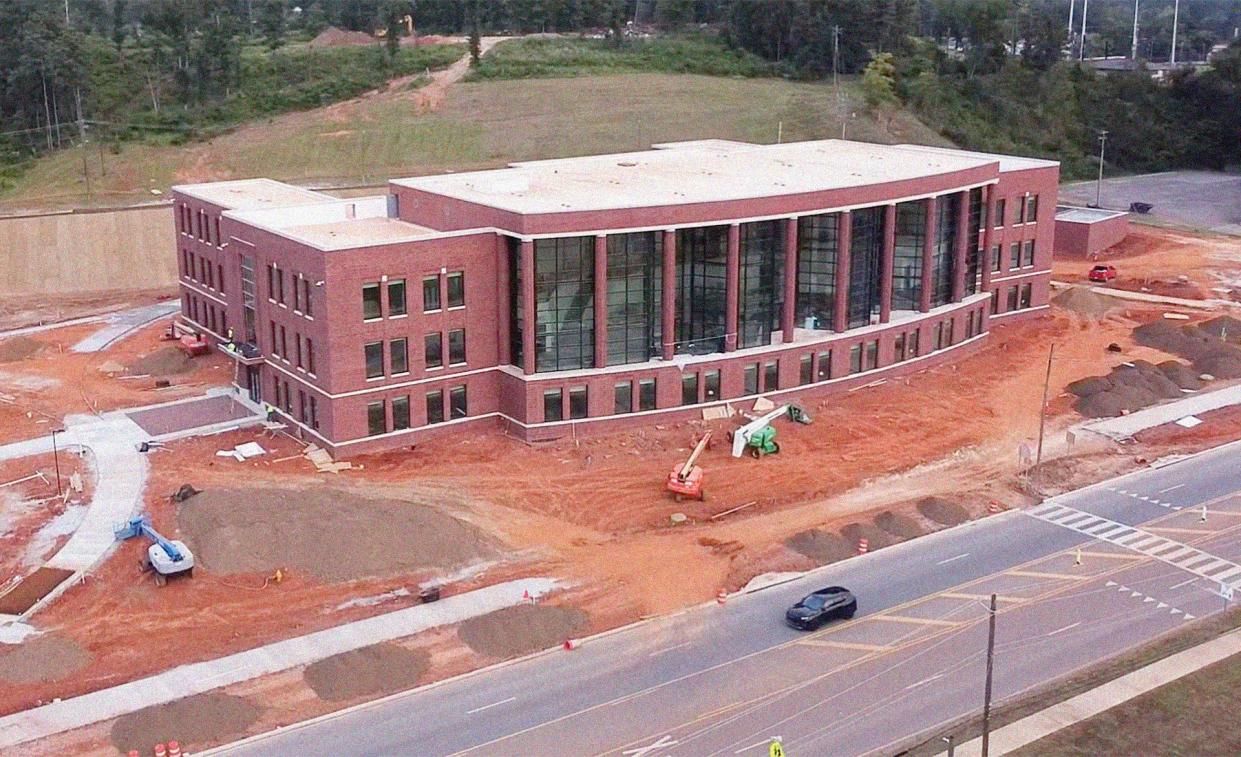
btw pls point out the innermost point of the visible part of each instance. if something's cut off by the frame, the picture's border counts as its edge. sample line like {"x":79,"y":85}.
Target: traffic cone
{"x":174,"y":749}
{"x":525,"y":597}
{"x":863,"y":546}
{"x":721,"y":596}
{"x":993,"y":507}
{"x":160,"y":751}
{"x":570,"y":645}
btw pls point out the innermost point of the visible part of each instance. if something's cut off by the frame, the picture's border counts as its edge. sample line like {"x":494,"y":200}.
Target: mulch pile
{"x":901,"y":526}
{"x":821,"y":546}
{"x":1084,"y":302}
{"x":1132,"y":387}
{"x":40,"y":659}
{"x":1201,"y":344}
{"x":206,"y":718}
{"x":378,"y":669}
{"x":522,"y":629}
{"x":942,"y":511}
{"x":166,"y":361}
{"x":18,"y":348}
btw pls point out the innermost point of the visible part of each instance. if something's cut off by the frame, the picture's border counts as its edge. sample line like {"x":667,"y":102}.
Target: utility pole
{"x":1176,"y":14}
{"x":56,"y":459}
{"x":1042,"y":420}
{"x":82,"y":138}
{"x":1081,"y":50}
{"x":1133,"y":50}
{"x":66,"y":12}
{"x":986,"y":702}
{"x":840,"y":110}
{"x":1098,"y":185}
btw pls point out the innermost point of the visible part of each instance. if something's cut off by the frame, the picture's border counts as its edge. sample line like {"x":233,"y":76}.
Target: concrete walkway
{"x":1030,"y":729}
{"x":200,"y":677}
{"x":121,"y":324}
{"x":1126,"y":426}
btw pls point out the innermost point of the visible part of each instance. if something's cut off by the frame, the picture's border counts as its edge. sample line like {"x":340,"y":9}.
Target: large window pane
{"x":433,"y":350}
{"x":751,"y":378}
{"x":400,"y":413}
{"x":430,"y":293}
{"x":866,"y":252}
{"x":579,"y":405}
{"x":771,"y":376}
{"x":457,"y":402}
{"x":973,"y":256}
{"x":515,"y":301}
{"x":635,"y":288}
{"x":622,"y":398}
{"x":816,"y":270}
{"x":435,"y":407}
{"x":943,"y":263}
{"x":564,"y":297}
{"x":456,"y":347}
{"x":711,"y":386}
{"x":907,"y":271}
{"x":376,"y":423}
{"x":456,"y":289}
{"x":396,"y":297}
{"x":398,"y":356}
{"x":689,"y":389}
{"x":761,"y":282}
{"x":702,"y":261}
{"x":374,"y":359}
{"x":553,"y":409}
{"x":646,"y":394}
{"x":370,"y":301}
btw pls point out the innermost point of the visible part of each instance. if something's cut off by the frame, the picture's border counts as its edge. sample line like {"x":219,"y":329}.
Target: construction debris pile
{"x":1132,"y":386}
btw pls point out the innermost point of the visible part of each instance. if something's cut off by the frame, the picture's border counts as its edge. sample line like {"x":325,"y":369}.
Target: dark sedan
{"x":822,"y":606}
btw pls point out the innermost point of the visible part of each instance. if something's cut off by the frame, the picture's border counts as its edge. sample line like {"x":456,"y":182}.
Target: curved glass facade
{"x":865,"y":253}
{"x":907,"y":268}
{"x":635,"y":280}
{"x":817,"y":249}
{"x":564,"y":303}
{"x":702,"y":280}
{"x":942,"y":260}
{"x":760,"y":282}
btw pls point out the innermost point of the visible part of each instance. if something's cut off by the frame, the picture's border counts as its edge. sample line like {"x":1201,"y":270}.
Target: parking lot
{"x":1201,"y":200}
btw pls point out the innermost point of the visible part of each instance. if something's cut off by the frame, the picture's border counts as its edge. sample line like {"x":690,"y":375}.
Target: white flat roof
{"x":252,"y":194}
{"x":1086,"y":215}
{"x":693,"y":172}
{"x":337,"y":224}
{"x":1007,"y":162}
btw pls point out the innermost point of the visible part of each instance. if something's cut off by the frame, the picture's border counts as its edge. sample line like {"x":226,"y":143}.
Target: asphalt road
{"x":724,"y":680}
{"x":1205,"y":200}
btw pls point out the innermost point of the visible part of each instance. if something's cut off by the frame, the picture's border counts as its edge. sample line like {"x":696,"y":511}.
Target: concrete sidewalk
{"x":1030,"y":729}
{"x":122,"y":323}
{"x":1126,"y":426}
{"x":200,"y":677}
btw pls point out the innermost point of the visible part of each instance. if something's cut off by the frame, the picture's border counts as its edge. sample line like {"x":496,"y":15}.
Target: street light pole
{"x":986,"y":703}
{"x":1133,"y":50}
{"x":1042,"y":422}
{"x":1176,"y":15}
{"x":56,"y":459}
{"x":1098,"y":187}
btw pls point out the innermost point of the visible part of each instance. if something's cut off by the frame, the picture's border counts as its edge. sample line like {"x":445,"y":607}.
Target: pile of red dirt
{"x":522,"y":629}
{"x":18,"y":348}
{"x":375,"y":670}
{"x":166,"y":361}
{"x":206,"y":718}
{"x":1131,"y":387}
{"x":334,"y":37}
{"x":1084,"y":302}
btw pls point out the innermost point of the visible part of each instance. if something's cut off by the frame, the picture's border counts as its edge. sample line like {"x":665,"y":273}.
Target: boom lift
{"x":166,"y":557}
{"x":685,"y":480}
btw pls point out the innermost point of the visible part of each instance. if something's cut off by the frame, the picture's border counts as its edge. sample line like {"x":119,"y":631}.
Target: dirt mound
{"x":821,"y":546}
{"x":942,"y":511}
{"x":875,"y":536}
{"x":900,"y":526}
{"x":166,"y":361}
{"x":194,"y":720}
{"x":1127,"y":388}
{"x":1224,"y":327}
{"x":377,"y":669}
{"x":18,"y":348}
{"x":522,"y":629}
{"x":40,"y":659}
{"x":331,"y":534}
{"x":334,"y":37}
{"x":1180,"y":374}
{"x":1084,"y":302}
{"x":1090,"y":385}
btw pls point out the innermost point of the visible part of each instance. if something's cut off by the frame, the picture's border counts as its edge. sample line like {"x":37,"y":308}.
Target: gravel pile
{"x":378,"y":669}
{"x":1130,"y":387}
{"x":1200,"y":344}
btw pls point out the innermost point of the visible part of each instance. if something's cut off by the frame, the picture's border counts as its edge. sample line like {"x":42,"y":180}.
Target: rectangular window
{"x":374,"y":352}
{"x":646,"y":394}
{"x":760,"y":281}
{"x":456,"y":289}
{"x":297,"y":346}
{"x":553,"y":405}
{"x":1027,"y":292}
{"x":396,"y":298}
{"x":913,"y":342}
{"x":817,"y":254}
{"x":855,"y":358}
{"x":635,"y":277}
{"x":288,"y":399}
{"x":398,"y":356}
{"x":456,"y":347}
{"x":271,"y":282}
{"x":1031,"y":208}
{"x":400,"y":413}
{"x":430,"y":294}
{"x":376,"y":420}
{"x":751,"y":379}
{"x":825,"y":366}
{"x":275,"y":344}
{"x":219,"y":269}
{"x":564,"y":300}
{"x":1027,"y":254}
{"x":898,"y":349}
{"x":279,"y":286}
{"x":310,"y":355}
{"x":771,"y":376}
{"x":950,"y":338}
{"x":999,"y":212}
{"x":1012,"y":298}
{"x":997,"y":258}
{"x":314,"y":412}
{"x":872,"y":355}
{"x":579,"y":404}
{"x":435,"y":407}
{"x":995,"y":301}
{"x":939,"y":337}
{"x":805,"y":373}
{"x":622,"y":398}
{"x":689,"y":389}
{"x":306,"y":297}
{"x":370,"y":302}
{"x":284,"y":348}
{"x":1021,"y":210}
{"x":701,"y":270}
{"x":457,"y":403}
{"x":433,"y":351}
{"x":297,"y":293}
{"x":907,"y":261}
{"x":711,"y":386}
{"x":1014,"y":255}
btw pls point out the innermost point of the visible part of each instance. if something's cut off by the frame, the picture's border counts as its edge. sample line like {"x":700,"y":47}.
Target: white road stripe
{"x":953,"y":559}
{"x":1062,"y":630}
{"x":658,"y":652}
{"x":923,"y":681}
{"x":489,"y":706}
{"x":1170,"y":489}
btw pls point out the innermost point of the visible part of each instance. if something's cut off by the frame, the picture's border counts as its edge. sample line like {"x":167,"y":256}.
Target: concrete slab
{"x":172,"y":419}
{"x":121,"y":324}
{"x":1126,"y":426}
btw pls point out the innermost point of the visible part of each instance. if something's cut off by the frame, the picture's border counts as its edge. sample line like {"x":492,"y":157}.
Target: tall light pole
{"x":1133,"y":50}
{"x":1098,"y":185}
{"x":1042,"y":422}
{"x":1081,"y":50}
{"x":56,"y":459}
{"x":1176,"y":13}
{"x":986,"y":702}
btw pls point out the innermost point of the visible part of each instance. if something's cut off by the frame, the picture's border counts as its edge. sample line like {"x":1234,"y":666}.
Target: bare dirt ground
{"x":34,"y":520}
{"x":1168,"y":262}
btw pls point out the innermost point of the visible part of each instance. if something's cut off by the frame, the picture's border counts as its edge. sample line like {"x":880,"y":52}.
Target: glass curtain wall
{"x":564,"y":301}
{"x":817,"y":247}
{"x":865,"y":256}
{"x":973,"y":257}
{"x":635,"y":281}
{"x":702,"y":264}
{"x":942,"y":259}
{"x":514,"y":301}
{"x":760,"y":282}
{"x":907,"y":270}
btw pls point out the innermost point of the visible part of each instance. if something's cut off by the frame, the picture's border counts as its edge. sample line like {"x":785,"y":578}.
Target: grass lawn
{"x":480,"y":124}
{"x":577,"y":56}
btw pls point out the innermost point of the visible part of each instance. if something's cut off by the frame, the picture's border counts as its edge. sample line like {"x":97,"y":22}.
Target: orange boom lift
{"x":685,"y":480}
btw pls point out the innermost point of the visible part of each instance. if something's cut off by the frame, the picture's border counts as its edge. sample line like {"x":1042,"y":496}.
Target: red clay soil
{"x":27,"y":507}
{"x":1155,"y":259}
{"x":18,"y":311}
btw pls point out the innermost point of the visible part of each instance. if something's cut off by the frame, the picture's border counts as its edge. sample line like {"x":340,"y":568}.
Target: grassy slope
{"x":480,"y":124}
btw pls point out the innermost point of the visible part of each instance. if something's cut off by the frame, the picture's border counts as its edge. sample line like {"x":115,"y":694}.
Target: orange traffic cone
{"x":721,"y":596}
{"x":174,"y":749}
{"x":863,"y":546}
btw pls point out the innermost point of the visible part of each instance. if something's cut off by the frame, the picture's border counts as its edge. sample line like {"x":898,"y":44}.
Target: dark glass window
{"x":1012,"y":298}
{"x":396,"y":297}
{"x":771,"y":376}
{"x":943,"y":262}
{"x":751,"y":378}
{"x":1032,"y":208}
{"x":938,"y":333}
{"x":376,"y":421}
{"x":306,"y":297}
{"x":622,"y":398}
{"x":761,"y":282}
{"x":646,"y":394}
{"x":806,"y":370}
{"x":515,"y":301}
{"x":1027,"y":253}
{"x":635,"y":288}
{"x":950,"y":337}
{"x":1027,"y":292}
{"x":817,"y":248}
{"x":711,"y":386}
{"x":553,"y":405}
{"x":898,"y":348}
{"x":457,"y":402}
{"x":456,"y":289}
{"x":689,"y":389}
{"x":997,"y":258}
{"x":855,"y":358}
{"x":865,"y":256}
{"x":907,"y":270}
{"x":702,"y":258}
{"x":579,"y":402}
{"x":370,"y":302}
{"x":564,"y":298}
{"x":398,"y":356}
{"x":913,"y":343}
{"x":433,"y":351}
{"x":872,"y":355}
{"x":430,"y":293}
{"x":825,"y":366}
{"x":999,"y":212}
{"x":456,"y":347}
{"x":1014,"y":255}
{"x":374,"y":359}
{"x":995,"y":301}
{"x":400,"y":413}
{"x":435,"y":407}
{"x":973,"y":256}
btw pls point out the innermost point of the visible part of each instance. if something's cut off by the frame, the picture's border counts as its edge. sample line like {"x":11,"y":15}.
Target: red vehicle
{"x":1103,"y":273}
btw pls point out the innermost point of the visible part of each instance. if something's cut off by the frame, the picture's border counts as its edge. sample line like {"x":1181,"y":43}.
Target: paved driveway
{"x":1202,"y":200}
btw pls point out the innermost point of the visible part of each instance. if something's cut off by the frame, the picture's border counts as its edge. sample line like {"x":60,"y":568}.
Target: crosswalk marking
{"x":1040,"y":574}
{"x":1177,"y":554}
{"x":850,"y":645}
{"x":915,"y":621}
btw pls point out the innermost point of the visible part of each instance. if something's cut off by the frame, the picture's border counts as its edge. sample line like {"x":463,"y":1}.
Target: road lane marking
{"x":663,"y":743}
{"x":1040,"y":574}
{"x":1170,"y":489}
{"x":855,"y":646}
{"x":915,"y":621}
{"x":489,"y":706}
{"x":953,"y":559}
{"x":924,"y":681}
{"x":983,"y":597}
{"x":658,"y":652}
{"x":1112,"y":555}
{"x":1062,"y":630}
{"x":1173,"y":530}
{"x":757,"y":744}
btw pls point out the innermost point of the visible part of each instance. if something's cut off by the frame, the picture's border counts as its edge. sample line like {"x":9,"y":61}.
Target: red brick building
{"x":561,"y":296}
